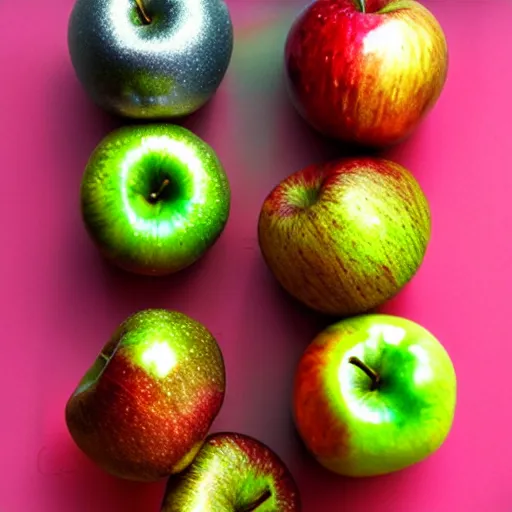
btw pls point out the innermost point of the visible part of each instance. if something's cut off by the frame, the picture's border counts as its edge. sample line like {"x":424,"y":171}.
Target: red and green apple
{"x":345,"y":236}
{"x":233,"y":473}
{"x":374,"y":394}
{"x":143,"y":409}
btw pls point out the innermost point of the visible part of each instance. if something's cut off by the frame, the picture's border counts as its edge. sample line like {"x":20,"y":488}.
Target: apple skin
{"x":367,"y":78}
{"x":150,"y":236}
{"x":233,"y":473}
{"x":144,"y":408}
{"x":167,"y":68}
{"x":356,"y":431}
{"x":345,"y":236}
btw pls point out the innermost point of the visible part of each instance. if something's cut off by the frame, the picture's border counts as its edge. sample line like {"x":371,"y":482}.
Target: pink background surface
{"x":60,"y":302}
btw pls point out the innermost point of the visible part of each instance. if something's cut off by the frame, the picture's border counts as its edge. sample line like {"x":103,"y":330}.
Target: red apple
{"x":233,"y":473}
{"x":145,"y":406}
{"x":366,"y":71}
{"x":345,"y":236}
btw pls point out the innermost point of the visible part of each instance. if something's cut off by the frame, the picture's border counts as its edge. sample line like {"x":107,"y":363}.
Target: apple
{"x":233,"y":473}
{"x":150,"y":59}
{"x":345,"y":236}
{"x":365,"y":71}
{"x":143,"y":409}
{"x":374,"y":394}
{"x":154,"y":198}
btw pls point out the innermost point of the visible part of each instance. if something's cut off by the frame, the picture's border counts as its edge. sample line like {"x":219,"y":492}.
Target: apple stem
{"x":362,"y":5}
{"x":253,"y":506}
{"x":366,"y":369}
{"x":155,"y":195}
{"x":142,"y":10}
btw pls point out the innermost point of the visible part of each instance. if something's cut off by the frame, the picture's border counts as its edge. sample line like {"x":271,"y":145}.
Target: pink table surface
{"x":60,"y":301}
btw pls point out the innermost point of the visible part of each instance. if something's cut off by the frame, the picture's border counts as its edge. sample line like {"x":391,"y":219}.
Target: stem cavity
{"x":374,"y":376}
{"x":154,"y":196}
{"x":253,"y":506}
{"x":362,"y":5}
{"x":142,"y":10}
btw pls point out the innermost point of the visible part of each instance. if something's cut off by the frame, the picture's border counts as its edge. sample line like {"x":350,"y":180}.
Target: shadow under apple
{"x":321,"y":488}
{"x":71,"y":262}
{"x":311,"y":146}
{"x":269,"y":333}
{"x":71,"y":103}
{"x":208,"y":122}
{"x":76,"y":115}
{"x":267,"y":125}
{"x":118,"y":294}
{"x":73,"y":482}
{"x":181,"y":291}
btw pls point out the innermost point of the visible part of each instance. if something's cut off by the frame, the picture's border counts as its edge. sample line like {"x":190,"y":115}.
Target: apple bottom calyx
{"x":374,"y":376}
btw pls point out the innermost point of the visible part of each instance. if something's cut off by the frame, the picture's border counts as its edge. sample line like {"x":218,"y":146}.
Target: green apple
{"x":154,"y":198}
{"x":374,"y":394}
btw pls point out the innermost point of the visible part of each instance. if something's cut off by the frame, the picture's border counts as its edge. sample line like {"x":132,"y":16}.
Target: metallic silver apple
{"x":150,"y":59}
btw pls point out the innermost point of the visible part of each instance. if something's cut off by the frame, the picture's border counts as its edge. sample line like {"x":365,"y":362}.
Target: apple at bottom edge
{"x":233,"y":473}
{"x":374,"y":394}
{"x":143,"y":409}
